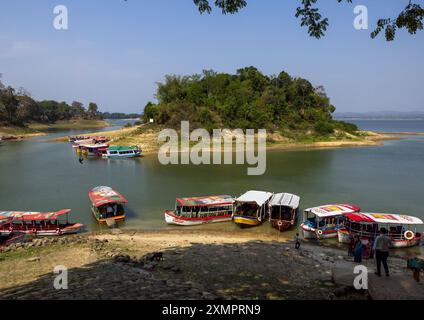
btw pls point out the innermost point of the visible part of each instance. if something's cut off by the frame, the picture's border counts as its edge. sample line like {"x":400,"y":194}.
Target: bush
{"x":348,"y":127}
{"x":324,"y":128}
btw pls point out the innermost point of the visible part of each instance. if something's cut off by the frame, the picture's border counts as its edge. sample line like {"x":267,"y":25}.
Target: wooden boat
{"x":107,"y":203}
{"x":401,"y":228}
{"x":123,"y":152}
{"x":200,"y":210}
{"x":91,"y":149}
{"x":323,"y":222}
{"x":251,"y":208}
{"x":37,"y":223}
{"x":283,"y":209}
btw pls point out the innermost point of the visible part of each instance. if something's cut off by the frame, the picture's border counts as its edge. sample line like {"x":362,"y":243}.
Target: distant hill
{"x":380,"y":115}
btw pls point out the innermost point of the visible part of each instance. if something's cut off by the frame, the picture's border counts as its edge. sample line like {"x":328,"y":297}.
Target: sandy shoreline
{"x":148,"y":142}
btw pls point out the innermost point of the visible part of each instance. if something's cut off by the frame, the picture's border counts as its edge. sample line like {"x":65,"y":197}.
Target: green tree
{"x":93,"y":110}
{"x":410,"y":18}
{"x":9,"y":105}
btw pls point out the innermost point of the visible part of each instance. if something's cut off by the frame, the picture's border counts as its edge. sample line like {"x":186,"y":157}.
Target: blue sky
{"x":115,"y":51}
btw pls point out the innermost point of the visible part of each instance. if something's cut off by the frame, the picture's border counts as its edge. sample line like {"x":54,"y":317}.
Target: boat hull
{"x":281,"y":225}
{"x":173,"y":219}
{"x":344,"y":237}
{"x":311,"y":233}
{"x":135,"y":155}
{"x":69,"y":229}
{"x":406,"y":243}
{"x":244,"y":221}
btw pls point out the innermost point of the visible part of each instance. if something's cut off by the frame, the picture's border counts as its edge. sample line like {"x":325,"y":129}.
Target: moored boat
{"x":37,"y":223}
{"x":122,"y":152}
{"x":324,"y":221}
{"x":251,"y":208}
{"x":200,"y":210}
{"x":107,"y":203}
{"x":283,"y":209}
{"x":91,"y":149}
{"x":402,"y":229}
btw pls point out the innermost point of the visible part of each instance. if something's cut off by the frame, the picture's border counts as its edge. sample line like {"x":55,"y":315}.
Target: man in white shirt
{"x":381,"y":248}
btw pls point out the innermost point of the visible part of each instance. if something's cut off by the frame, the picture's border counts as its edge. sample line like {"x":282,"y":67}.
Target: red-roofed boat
{"x":37,"y":223}
{"x":402,"y":229}
{"x":107,"y":203}
{"x":324,"y":221}
{"x":193,"y":211}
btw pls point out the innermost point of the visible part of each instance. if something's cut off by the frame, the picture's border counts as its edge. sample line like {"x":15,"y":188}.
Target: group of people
{"x":379,"y":247}
{"x":110,"y":211}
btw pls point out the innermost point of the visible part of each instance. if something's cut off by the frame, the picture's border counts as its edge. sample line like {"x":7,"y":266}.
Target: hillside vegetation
{"x":292,"y":107}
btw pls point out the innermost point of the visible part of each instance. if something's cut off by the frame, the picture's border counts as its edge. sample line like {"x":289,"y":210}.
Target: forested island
{"x":294,"y":112}
{"x":248,"y":99}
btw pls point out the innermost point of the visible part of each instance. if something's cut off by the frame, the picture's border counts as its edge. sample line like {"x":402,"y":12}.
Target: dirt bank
{"x":194,"y":265}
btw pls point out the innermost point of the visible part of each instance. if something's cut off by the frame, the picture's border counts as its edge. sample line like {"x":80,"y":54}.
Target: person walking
{"x":297,"y":241}
{"x":381,"y":248}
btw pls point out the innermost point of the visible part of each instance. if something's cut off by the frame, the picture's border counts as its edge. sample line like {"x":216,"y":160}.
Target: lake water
{"x":390,"y":125}
{"x":39,"y":175}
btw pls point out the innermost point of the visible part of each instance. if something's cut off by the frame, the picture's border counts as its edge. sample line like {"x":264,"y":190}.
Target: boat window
{"x":113,"y":152}
{"x":248,"y":210}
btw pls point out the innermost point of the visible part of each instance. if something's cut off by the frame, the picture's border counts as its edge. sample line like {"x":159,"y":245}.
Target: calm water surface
{"x":39,"y":175}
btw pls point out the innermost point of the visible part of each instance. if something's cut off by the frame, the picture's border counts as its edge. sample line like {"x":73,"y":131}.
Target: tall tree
{"x":9,"y":104}
{"x":93,"y":110}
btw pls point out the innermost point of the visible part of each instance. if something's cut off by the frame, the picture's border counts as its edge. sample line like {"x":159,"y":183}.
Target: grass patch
{"x":71,"y":124}
{"x":26,"y":253}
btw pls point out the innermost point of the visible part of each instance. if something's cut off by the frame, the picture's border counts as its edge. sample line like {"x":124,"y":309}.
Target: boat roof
{"x":32,"y":216}
{"x":94,"y":145}
{"x":102,"y":195}
{"x":123,"y":148}
{"x":332,"y":210}
{"x":207,"y":201}
{"x":260,"y":197}
{"x":285,"y":199}
{"x":386,"y":218}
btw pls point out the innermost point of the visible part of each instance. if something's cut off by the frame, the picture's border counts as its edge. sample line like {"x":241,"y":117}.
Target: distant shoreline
{"x":42,"y":129}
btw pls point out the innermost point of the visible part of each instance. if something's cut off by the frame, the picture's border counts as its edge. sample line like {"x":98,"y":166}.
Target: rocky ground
{"x":123,"y":265}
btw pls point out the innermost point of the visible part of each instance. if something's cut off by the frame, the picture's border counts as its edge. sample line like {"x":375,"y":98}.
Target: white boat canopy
{"x":286,"y":200}
{"x":332,"y":210}
{"x":385,"y":218}
{"x":260,"y":197}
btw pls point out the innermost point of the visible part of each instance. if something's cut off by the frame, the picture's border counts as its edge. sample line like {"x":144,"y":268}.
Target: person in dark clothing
{"x":358,"y":251}
{"x":297,"y":241}
{"x":381,"y":248}
{"x":351,"y":246}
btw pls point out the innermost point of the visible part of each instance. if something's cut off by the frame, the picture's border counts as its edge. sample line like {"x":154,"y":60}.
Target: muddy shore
{"x":192,"y":265}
